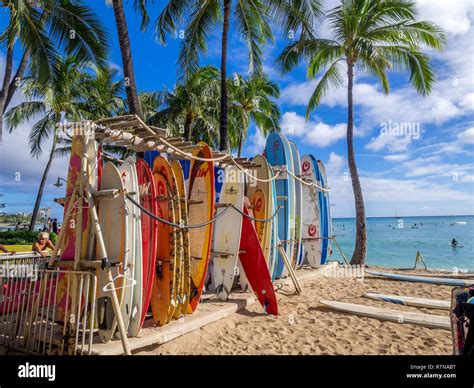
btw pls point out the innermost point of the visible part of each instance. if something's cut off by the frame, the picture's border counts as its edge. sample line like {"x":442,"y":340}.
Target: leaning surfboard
{"x":162,"y":295}
{"x":311,"y":225}
{"x":253,"y":263}
{"x":113,"y":219}
{"x":327,"y":230}
{"x":296,"y":261}
{"x":201,"y":194}
{"x":226,"y":238}
{"x":146,"y":189}
{"x":183,"y":297}
{"x":277,"y":156}
{"x":263,"y":205}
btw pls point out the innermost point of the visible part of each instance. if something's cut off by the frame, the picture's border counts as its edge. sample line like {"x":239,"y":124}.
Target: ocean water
{"x":394,"y":242}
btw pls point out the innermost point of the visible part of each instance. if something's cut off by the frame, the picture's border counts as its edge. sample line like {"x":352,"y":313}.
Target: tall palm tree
{"x":126,"y":51}
{"x":44,"y":29}
{"x":373,"y":36}
{"x":72,"y":93}
{"x":252,"y":99}
{"x":191,"y":109}
{"x":251,"y":21}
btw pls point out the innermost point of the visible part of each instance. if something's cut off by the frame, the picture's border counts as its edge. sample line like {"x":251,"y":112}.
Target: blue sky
{"x":426,"y":170}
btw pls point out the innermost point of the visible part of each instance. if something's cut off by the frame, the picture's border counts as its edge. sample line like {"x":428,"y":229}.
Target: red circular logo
{"x":258,"y":204}
{"x":161,"y":188}
{"x":312,"y":230}
{"x":276,"y":145}
{"x":305,"y":166}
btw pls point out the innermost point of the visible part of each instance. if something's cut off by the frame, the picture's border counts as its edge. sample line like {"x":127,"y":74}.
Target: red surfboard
{"x":147,"y":196}
{"x":255,"y":267}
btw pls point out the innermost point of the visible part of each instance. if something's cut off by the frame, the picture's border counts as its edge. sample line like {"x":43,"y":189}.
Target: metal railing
{"x":46,"y":311}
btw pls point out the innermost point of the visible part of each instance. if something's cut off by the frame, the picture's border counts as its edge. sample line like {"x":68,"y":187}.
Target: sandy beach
{"x":305,"y":327}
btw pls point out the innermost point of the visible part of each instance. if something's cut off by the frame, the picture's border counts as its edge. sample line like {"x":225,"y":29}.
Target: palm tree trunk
{"x":240,"y":145}
{"x":126,"y":51}
{"x":5,"y":85}
{"x":225,"y":33}
{"x":360,"y":251}
{"x":18,"y":76}
{"x":187,"y":127}
{"x":41,"y":187}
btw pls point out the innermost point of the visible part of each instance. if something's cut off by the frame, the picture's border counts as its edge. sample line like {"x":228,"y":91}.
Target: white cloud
{"x":396,"y":157}
{"x":467,"y":136}
{"x":255,"y":143}
{"x":452,"y":16}
{"x":311,"y":132}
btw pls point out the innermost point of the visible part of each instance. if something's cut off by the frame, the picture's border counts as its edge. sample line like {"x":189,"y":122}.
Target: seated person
{"x":43,"y":244}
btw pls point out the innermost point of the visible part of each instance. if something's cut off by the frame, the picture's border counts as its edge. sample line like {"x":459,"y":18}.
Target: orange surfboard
{"x":201,"y":209}
{"x":163,"y":284}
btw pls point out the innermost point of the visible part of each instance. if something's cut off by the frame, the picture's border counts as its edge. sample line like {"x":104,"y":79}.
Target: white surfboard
{"x":226,"y":235}
{"x":131,"y":186}
{"x":296,"y":260}
{"x":397,"y":316}
{"x":113,"y":221}
{"x":422,"y":279}
{"x":136,"y":270}
{"x":411,"y":301}
{"x":311,"y":225}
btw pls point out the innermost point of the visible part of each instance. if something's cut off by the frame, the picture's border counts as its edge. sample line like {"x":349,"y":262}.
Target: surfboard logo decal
{"x":258,"y":204}
{"x":312,"y":230}
{"x":276,"y":145}
{"x":305,"y":166}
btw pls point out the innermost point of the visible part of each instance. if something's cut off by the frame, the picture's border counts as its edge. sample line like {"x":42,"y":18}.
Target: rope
{"x":176,"y":149}
{"x":180,"y":226}
{"x":308,"y":183}
{"x":257,"y":219}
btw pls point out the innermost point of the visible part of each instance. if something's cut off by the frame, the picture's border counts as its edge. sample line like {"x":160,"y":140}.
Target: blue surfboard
{"x":278,"y":153}
{"x":149,"y":157}
{"x":322,"y":170}
{"x":323,"y":205}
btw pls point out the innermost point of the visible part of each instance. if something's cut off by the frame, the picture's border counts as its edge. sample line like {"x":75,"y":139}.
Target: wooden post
{"x":290,"y":269}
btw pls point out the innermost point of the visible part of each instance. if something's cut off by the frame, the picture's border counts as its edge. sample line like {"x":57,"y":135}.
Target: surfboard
{"x":201,"y":194}
{"x":80,"y":144}
{"x":227,"y":229}
{"x":423,"y":279}
{"x":296,"y":261}
{"x":244,"y":283}
{"x":411,"y":301}
{"x":397,"y":316}
{"x":311,"y":217}
{"x":113,"y":220}
{"x":291,"y":201}
{"x":260,"y":207}
{"x":327,"y":230}
{"x":127,"y":270}
{"x":163,"y":293}
{"x":255,"y":267}
{"x":277,"y":157}
{"x":186,"y":266}
{"x":264,"y":229}
{"x":136,"y":270}
{"x":146,"y":190}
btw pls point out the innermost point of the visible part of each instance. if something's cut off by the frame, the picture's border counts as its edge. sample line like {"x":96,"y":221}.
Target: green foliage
{"x":18,"y":237}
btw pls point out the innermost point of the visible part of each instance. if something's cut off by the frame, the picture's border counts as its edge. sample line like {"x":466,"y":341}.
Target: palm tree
{"x":44,"y":29}
{"x":252,"y":99}
{"x":251,"y":20}
{"x":191,"y":109}
{"x":375,"y":36}
{"x":72,"y":93}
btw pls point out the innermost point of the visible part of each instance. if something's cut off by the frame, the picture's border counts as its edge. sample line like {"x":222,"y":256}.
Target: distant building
{"x":44,"y":213}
